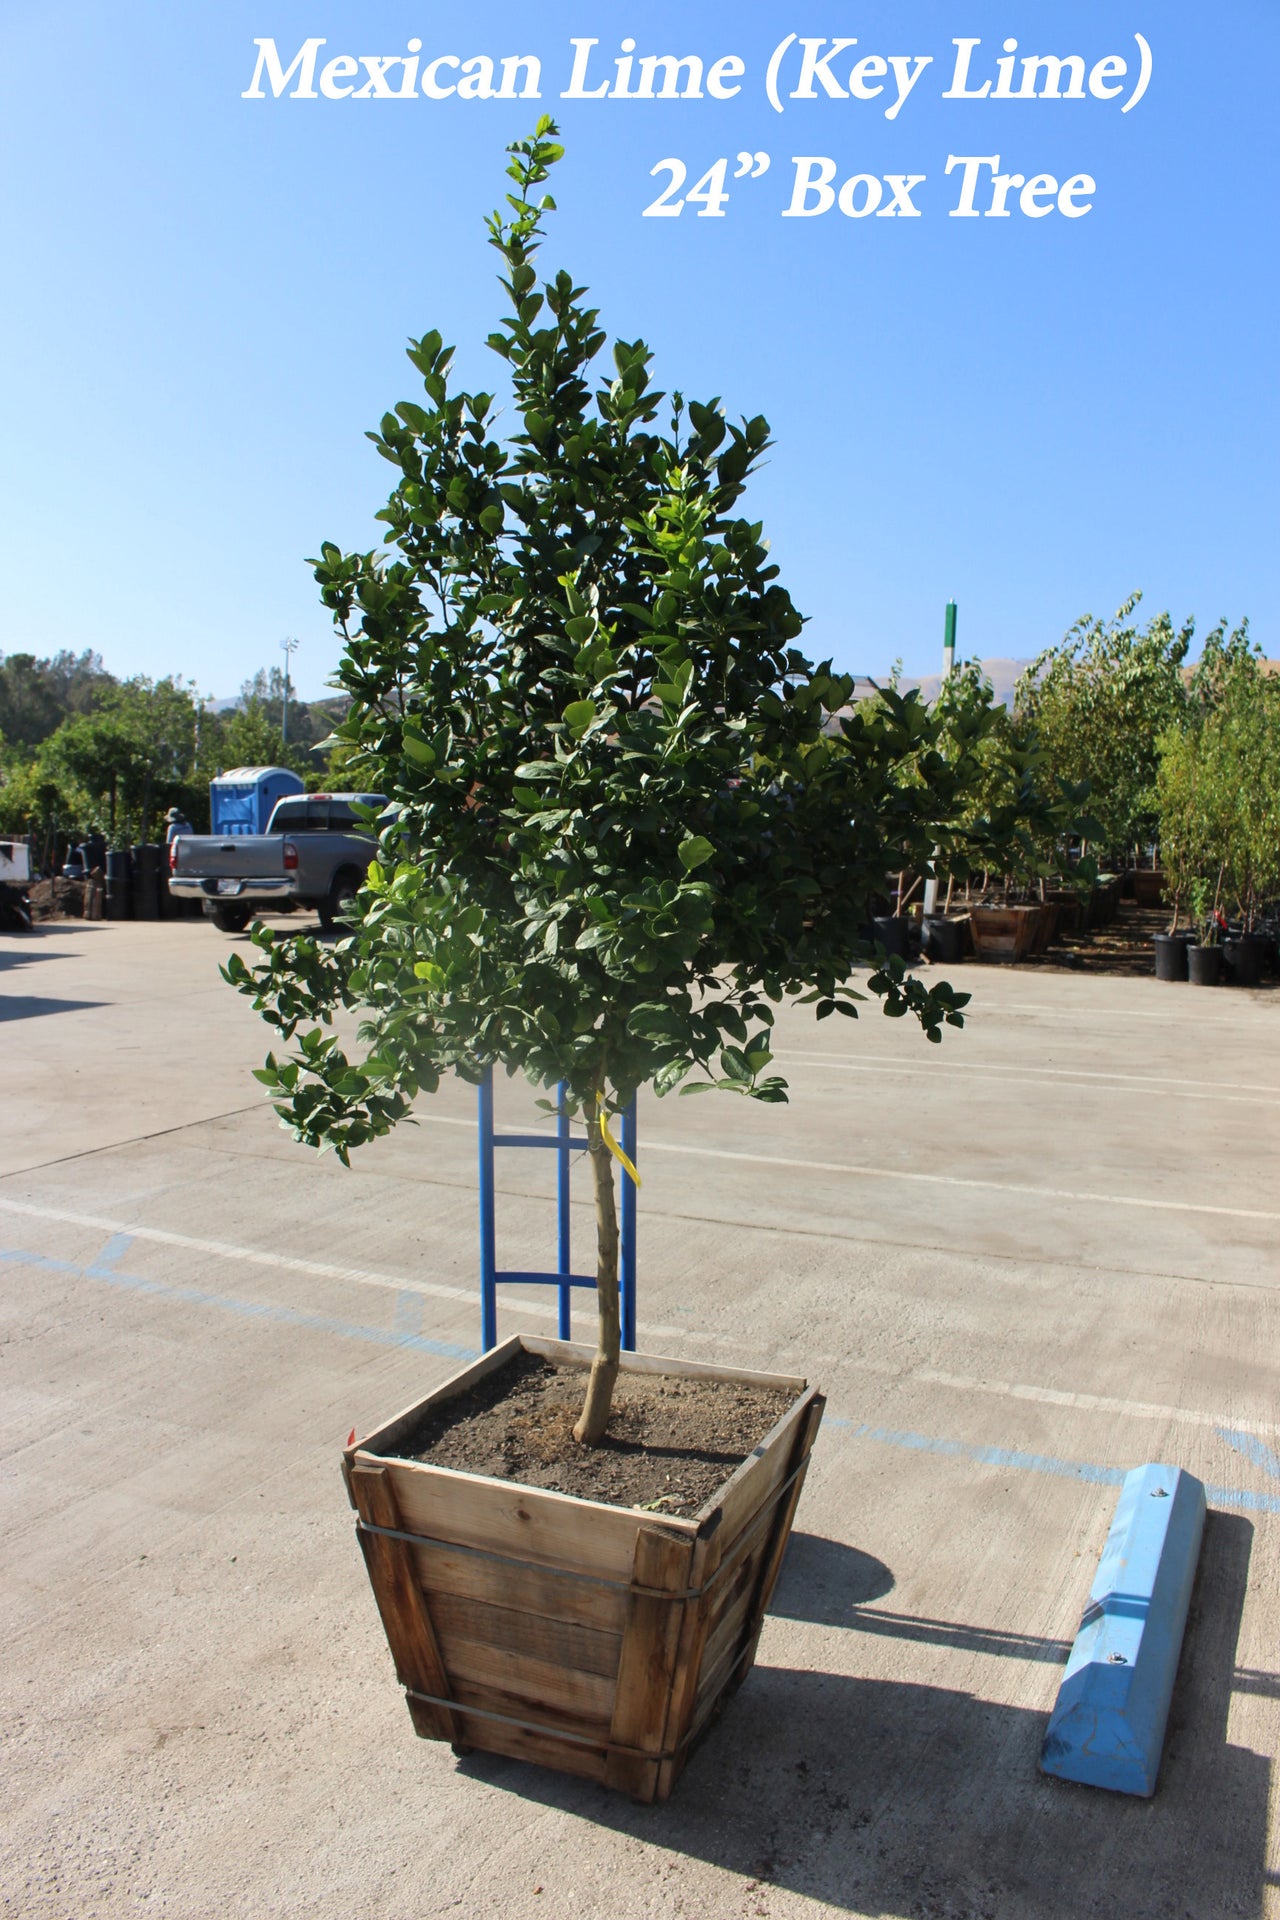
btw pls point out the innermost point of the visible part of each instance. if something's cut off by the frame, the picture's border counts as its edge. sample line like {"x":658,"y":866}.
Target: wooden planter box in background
{"x":1046,"y":928}
{"x":1148,"y":887}
{"x":1070,"y":915}
{"x":1004,"y":933}
{"x":592,"y":1638}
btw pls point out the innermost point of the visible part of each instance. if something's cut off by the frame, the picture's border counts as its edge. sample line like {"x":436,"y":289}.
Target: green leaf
{"x":695,"y":852}
{"x":578,"y":716}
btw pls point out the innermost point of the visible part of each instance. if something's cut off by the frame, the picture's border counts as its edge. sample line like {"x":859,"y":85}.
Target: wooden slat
{"x":693,"y":1637}
{"x":780,"y":1533}
{"x":566,"y":1756}
{"x":533,"y":1634}
{"x":733,"y":1620}
{"x":534,"y":1690}
{"x":718,"y":1670}
{"x":763,"y":1470}
{"x":527,"y":1523}
{"x":530,"y":1590}
{"x":694,"y":1703}
{"x":649,"y":1645}
{"x":731,"y":1574}
{"x":393,"y":1578}
{"x":735,"y":1632}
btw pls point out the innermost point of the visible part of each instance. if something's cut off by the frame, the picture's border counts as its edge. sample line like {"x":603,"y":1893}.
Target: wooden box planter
{"x":1066,"y":903}
{"x":1003,"y":933}
{"x":596,"y":1639}
{"x":1148,"y":887}
{"x":1046,"y":931}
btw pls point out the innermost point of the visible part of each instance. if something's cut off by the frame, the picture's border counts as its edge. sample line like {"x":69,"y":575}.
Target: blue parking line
{"x":1252,"y":1448}
{"x":1039,"y":1463}
{"x":115,"y":1249}
{"x":103,"y":1268}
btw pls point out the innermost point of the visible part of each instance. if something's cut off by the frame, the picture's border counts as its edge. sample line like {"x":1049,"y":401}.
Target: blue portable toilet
{"x":242,"y":799}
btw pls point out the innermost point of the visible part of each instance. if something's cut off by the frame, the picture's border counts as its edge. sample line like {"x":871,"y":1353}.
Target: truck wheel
{"x":230,"y":919}
{"x":342,"y":898}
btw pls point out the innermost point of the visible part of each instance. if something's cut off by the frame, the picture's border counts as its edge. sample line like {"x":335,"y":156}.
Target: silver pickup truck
{"x":314,"y":854}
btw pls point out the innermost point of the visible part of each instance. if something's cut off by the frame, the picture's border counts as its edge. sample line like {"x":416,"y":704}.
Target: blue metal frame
{"x":562,"y":1143}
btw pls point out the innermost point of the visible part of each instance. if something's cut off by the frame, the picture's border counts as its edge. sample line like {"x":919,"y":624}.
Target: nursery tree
{"x":137,"y":752}
{"x":1190,"y":812}
{"x":1098,"y":702}
{"x":1219,"y":781}
{"x":1018,"y":817}
{"x":621,"y":830}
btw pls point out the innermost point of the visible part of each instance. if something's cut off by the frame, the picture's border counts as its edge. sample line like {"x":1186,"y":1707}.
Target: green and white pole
{"x":948,"y":662}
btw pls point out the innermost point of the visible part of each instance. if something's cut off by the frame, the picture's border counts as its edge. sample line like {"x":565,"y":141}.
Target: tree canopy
{"x":1098,"y":703}
{"x":625,"y":825}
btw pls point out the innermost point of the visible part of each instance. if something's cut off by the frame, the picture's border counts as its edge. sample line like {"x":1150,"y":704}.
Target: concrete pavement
{"x":1018,"y":1264}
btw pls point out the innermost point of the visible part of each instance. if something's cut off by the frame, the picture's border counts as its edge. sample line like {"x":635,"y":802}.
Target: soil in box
{"x":670,"y":1443}
{"x":587,"y":1608}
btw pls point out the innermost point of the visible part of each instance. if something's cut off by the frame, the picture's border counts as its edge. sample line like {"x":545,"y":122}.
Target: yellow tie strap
{"x":623,"y":1159}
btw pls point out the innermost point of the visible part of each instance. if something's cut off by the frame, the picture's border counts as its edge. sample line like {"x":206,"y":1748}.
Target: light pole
{"x":287,"y":646}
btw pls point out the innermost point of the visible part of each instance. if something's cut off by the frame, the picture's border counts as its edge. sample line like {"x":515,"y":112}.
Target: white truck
{"x":15,"y":877}
{"x":314,"y":854}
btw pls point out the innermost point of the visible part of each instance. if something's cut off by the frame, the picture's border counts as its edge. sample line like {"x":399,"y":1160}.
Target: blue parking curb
{"x":1107,"y":1726}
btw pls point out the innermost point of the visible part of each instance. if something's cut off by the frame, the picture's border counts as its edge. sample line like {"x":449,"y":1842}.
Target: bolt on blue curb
{"x":563,"y":1279}
{"x":1107,"y":1726}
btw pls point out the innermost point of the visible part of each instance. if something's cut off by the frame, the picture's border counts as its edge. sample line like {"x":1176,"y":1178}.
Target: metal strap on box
{"x":593,"y":1579}
{"x":598,"y":1743}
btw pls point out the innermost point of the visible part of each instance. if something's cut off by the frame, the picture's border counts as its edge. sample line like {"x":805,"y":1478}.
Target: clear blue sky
{"x":206,"y":301}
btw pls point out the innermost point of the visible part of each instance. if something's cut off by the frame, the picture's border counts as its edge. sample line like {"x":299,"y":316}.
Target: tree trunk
{"x":604,"y":1368}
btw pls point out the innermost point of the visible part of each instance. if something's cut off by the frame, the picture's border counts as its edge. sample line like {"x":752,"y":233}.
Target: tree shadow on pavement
{"x":826,"y":1581}
{"x":30,"y":1006}
{"x":886,"y":1797}
{"x":24,"y":947}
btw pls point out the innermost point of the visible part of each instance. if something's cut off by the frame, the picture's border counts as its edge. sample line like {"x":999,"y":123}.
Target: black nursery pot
{"x":1243,"y":959}
{"x":891,"y":930}
{"x":943,"y":939}
{"x":1171,"y":956}
{"x":1204,"y":965}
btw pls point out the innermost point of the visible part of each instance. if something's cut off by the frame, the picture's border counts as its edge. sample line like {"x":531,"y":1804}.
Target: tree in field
{"x":137,"y":753}
{"x":249,"y":736}
{"x":622,"y":833}
{"x":1018,"y":817}
{"x":1218,"y":782}
{"x":36,"y":696}
{"x":1097,"y":704}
